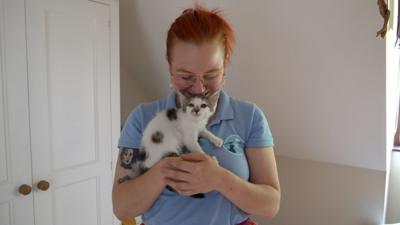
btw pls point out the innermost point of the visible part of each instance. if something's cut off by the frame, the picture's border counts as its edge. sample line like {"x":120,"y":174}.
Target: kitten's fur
{"x":175,"y":131}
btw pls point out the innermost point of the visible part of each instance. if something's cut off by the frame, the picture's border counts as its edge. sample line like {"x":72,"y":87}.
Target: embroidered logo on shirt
{"x":234,"y":144}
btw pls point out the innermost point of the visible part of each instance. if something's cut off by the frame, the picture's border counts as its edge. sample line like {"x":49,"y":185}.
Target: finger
{"x":177,"y":175}
{"x":194,"y":156}
{"x":180,"y":187}
{"x":181,"y":165}
{"x":187,"y":193}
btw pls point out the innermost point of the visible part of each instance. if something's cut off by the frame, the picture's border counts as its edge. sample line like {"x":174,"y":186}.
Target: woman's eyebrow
{"x":187,"y":71}
{"x":183,"y":71}
{"x":213,"y":70}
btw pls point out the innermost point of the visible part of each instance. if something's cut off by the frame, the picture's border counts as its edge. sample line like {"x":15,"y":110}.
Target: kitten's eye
{"x":191,"y":105}
{"x":203,"y":105}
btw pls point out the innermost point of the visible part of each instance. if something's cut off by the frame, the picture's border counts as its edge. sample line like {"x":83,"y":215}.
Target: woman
{"x":245,"y":179}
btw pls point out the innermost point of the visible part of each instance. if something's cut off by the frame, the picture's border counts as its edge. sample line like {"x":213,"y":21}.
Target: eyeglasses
{"x":210,"y":79}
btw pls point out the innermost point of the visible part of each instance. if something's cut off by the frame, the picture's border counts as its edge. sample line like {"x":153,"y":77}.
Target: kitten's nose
{"x":196,"y":109}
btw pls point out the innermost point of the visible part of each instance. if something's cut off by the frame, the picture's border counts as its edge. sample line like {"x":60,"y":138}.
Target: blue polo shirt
{"x":240,"y":124}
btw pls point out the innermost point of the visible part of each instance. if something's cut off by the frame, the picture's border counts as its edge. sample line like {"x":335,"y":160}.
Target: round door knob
{"x":43,"y":185}
{"x":25,"y":189}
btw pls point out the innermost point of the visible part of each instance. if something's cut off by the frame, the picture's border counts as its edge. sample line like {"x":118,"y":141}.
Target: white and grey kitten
{"x":173,"y":132}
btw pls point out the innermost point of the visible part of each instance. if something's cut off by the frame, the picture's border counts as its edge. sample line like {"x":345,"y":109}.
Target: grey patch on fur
{"x":142,"y":155}
{"x":185,"y":150}
{"x":170,"y":188}
{"x":123,"y":179}
{"x":171,"y":114}
{"x":199,"y":195}
{"x":143,"y":169}
{"x":157,"y":137}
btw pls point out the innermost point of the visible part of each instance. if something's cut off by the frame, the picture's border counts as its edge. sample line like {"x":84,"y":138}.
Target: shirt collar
{"x":170,"y":103}
{"x":224,"y":108}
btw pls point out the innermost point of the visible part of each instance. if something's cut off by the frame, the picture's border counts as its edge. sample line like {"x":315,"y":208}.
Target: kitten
{"x":173,"y":132}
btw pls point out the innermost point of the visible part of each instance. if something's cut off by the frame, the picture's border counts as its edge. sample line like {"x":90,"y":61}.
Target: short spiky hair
{"x":198,"y":25}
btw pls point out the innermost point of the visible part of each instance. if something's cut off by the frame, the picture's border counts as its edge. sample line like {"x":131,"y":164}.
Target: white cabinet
{"x":59,"y":110}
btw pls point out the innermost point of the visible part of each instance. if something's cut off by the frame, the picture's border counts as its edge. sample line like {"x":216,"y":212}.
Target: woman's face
{"x":197,"y":69}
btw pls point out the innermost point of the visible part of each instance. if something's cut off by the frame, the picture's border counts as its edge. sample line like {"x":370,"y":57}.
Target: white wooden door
{"x":15,"y":158}
{"x":68,"y":44}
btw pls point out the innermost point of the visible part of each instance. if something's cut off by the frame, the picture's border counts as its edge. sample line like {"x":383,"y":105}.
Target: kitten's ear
{"x":181,"y":99}
{"x":213,"y":100}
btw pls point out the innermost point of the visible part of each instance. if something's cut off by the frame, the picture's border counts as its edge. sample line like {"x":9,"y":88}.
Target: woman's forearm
{"x":134,"y":197}
{"x":258,"y":199}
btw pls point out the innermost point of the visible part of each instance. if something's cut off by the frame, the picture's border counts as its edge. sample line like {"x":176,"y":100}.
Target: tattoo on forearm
{"x":123,"y":179}
{"x":127,"y":157}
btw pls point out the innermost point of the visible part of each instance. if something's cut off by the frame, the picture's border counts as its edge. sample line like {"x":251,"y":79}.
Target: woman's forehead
{"x":191,"y":57}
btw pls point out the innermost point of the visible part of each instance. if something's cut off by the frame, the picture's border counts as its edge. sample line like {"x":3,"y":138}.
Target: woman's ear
{"x":213,"y":100}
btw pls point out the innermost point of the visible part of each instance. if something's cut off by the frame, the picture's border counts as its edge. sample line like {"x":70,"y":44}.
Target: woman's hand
{"x":193,"y":173}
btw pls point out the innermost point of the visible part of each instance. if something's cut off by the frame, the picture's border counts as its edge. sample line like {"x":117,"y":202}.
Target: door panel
{"x":70,"y":110}
{"x":71,"y":88}
{"x":15,"y":158}
{"x":79,"y":200}
{"x":5,"y":215}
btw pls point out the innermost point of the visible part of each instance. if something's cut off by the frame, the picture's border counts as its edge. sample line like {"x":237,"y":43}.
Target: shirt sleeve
{"x":260,"y":134}
{"x":132,"y":131}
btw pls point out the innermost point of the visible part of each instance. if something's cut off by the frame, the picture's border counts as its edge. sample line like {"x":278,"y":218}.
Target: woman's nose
{"x":198,"y":87}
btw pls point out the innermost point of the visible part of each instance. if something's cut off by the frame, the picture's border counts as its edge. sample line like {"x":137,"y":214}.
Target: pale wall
{"x":132,"y":94}
{"x":315,"y":193}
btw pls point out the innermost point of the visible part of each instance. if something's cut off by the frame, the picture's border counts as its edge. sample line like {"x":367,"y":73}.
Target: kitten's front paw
{"x":218,"y":142}
{"x":198,"y":150}
{"x":215,"y":158}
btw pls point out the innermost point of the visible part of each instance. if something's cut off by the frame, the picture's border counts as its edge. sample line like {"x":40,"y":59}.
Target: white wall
{"x":132,"y":93}
{"x":315,"y":67}
{"x":319,"y":76}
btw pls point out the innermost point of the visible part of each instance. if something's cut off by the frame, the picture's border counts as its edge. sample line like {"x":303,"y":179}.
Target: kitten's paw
{"x":218,"y":142}
{"x":199,"y":150}
{"x":215,"y":158}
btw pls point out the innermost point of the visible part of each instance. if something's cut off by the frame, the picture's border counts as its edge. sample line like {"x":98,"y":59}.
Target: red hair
{"x":199,"y":25}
